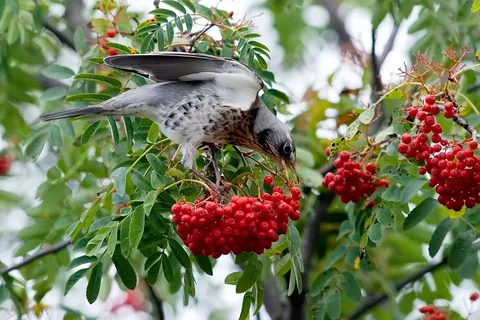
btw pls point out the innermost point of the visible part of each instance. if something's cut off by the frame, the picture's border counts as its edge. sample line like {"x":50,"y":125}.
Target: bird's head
{"x":275,"y":139}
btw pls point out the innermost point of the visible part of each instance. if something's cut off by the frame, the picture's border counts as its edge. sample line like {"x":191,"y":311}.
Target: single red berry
{"x":230,"y":14}
{"x":344,"y":156}
{"x":296,"y":193}
{"x":371,"y":167}
{"x":338,"y":163}
{"x":406,"y":138}
{"x":327,"y":151}
{"x":112,"y":52}
{"x":448,"y":114}
{"x":412,"y":112}
{"x":473,"y":144}
{"x":421,"y":115}
{"x":5,"y":164}
{"x":402,"y":147}
{"x":111,"y":33}
{"x":448,"y":106}
{"x":435,"y":110}
{"x":422,"y":170}
{"x":176,"y":208}
{"x":430,"y":99}
{"x":276,"y":197}
{"x":268,"y":180}
{"x":474,"y":296}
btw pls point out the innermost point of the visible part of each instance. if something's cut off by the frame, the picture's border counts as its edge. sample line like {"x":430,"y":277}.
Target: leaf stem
{"x":401,"y":85}
{"x":473,"y":66}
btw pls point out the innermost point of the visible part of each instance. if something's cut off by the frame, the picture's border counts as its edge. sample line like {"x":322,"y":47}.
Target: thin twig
{"x":372,"y":302}
{"x":37,"y":255}
{"x":201,"y":33}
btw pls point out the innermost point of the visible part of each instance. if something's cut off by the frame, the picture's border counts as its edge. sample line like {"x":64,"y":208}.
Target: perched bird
{"x":198,"y":99}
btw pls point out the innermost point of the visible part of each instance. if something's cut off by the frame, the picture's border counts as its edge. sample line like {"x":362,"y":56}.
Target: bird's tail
{"x":71,"y":113}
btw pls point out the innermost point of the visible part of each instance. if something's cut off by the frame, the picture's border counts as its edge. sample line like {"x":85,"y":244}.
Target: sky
{"x":319,"y":64}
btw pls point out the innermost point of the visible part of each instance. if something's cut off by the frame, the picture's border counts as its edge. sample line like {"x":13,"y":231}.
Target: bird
{"x":197,"y":99}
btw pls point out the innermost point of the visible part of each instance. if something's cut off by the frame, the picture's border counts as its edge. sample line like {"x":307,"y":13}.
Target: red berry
{"x":296,"y":193}
{"x":422,"y":170}
{"x":344,"y":156}
{"x":111,"y":33}
{"x":430,"y":99}
{"x":448,"y":114}
{"x":412,"y":112}
{"x":5,"y":164}
{"x":268,"y":180}
{"x":421,"y":115}
{"x":112,"y":52}
{"x":435,"y":110}
{"x":473,"y":144}
{"x":327,"y":151}
{"x":371,"y":167}
{"x":276,"y":197}
{"x":230,"y":14}
{"x":448,"y":106}
{"x":402,"y":147}
{"x":406,"y":138}
{"x":474,"y":296}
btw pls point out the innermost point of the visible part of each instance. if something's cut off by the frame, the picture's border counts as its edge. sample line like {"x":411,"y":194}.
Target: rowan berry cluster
{"x":245,"y":224}
{"x":432,"y":313}
{"x":453,"y":170}
{"x":352,"y":183}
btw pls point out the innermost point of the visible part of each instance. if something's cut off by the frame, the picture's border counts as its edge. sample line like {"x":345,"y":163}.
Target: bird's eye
{"x":287,"y":148}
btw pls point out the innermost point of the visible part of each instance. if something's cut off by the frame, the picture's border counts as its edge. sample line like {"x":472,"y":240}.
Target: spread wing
{"x":236,"y":85}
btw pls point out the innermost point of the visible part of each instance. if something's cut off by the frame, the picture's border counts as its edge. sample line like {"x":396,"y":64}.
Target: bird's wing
{"x":236,"y":85}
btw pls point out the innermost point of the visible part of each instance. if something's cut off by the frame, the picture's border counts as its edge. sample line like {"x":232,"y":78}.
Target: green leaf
{"x":385,"y":216}
{"x":420,"y":212}
{"x":95,"y":244}
{"x":375,"y":232}
{"x":119,"y":47}
{"x":152,"y":260}
{"x":334,"y":304}
{"x":393,"y":193}
{"x":367,"y":116}
{"x":129,"y":128}
{"x":100,"y":78}
{"x":189,"y":283}
{"x":189,"y":5}
{"x":460,"y":248}
{"x":439,"y":235}
{"x":79,"y":39}
{"x":88,"y":215}
{"x":147,"y":43}
{"x":163,"y":12}
{"x":294,"y":245}
{"x":180,"y":253}
{"x":476,"y":6}
{"x":322,"y":282}
{"x":250,"y":275}
{"x":88,"y":133}
{"x":93,"y":287}
{"x":233,"y":278}
{"x":412,"y":188}
{"x":205,"y":264}
{"x":167,"y":268}
{"x":153,"y":132}
{"x":283,"y":265}
{"x":149,"y":202}
{"x":124,"y":237}
{"x":352,"y":129}
{"x":114,"y":129}
{"x":160,"y":39}
{"x":156,"y":164}
{"x":81,"y":260}
{"x":35,"y":146}
{"x":140,"y":181}
{"x":179,"y":24}
{"x":57,"y":72}
{"x":88,"y":97}
{"x":119,"y":177}
{"x":52,"y":94}
{"x":112,"y":240}
{"x":188,"y":22}
{"x":175,"y":5}
{"x":350,"y":286}
{"x":125,"y":271}
{"x":137,"y":225}
{"x":278,"y":94}
{"x":336,"y":255}
{"x":246,"y":303}
{"x":170,"y":33}
{"x":73,"y":279}
{"x":258,"y":295}
{"x":152,"y":274}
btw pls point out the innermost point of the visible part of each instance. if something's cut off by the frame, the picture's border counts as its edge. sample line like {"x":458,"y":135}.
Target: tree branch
{"x":74,"y":16}
{"x":312,"y":228}
{"x":157,"y":302}
{"x":272,"y":300}
{"x":372,"y":302}
{"x":37,"y":255}
{"x":389,"y":45}
{"x":47,"y":83}
{"x":64,"y":36}
{"x":337,"y":23}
